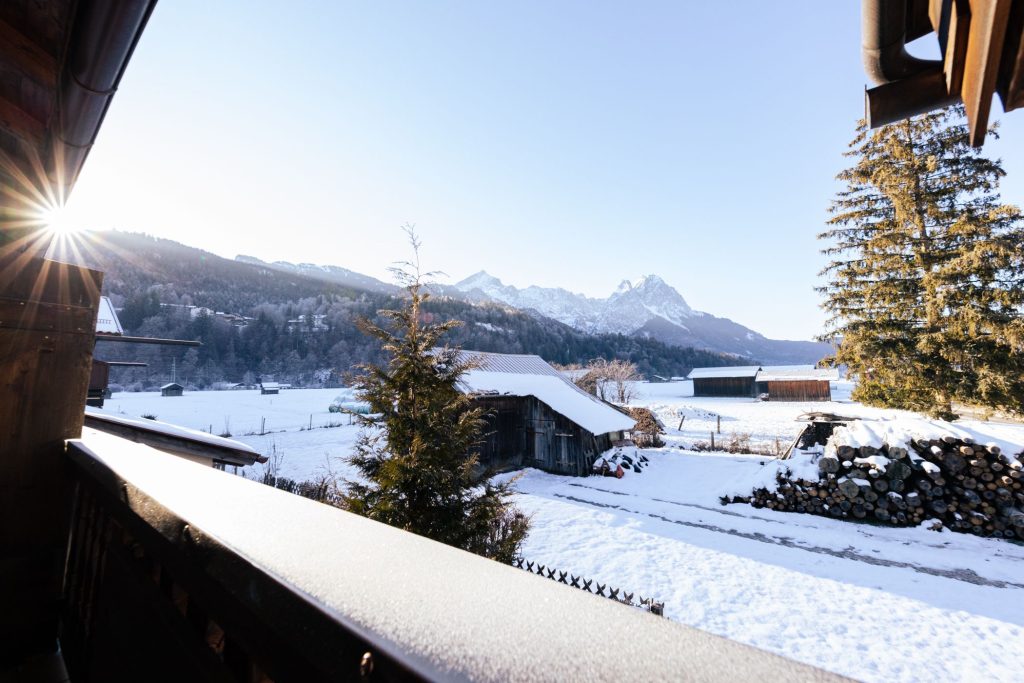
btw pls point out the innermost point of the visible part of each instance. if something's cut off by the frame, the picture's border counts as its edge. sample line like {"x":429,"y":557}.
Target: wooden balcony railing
{"x":180,"y":572}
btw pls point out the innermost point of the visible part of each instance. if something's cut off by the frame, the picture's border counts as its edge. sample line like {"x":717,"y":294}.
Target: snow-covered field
{"x":874,"y":603}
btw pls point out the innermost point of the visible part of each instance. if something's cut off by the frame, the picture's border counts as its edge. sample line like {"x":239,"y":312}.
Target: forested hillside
{"x":303,"y":330}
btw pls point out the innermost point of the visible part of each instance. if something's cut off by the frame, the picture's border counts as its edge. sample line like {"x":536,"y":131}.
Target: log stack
{"x":969,"y":487}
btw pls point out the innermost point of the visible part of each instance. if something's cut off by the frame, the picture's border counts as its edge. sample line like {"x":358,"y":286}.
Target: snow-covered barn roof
{"x":171,"y":385}
{"x":106,"y":319}
{"x":524,"y":375}
{"x":270,"y":385}
{"x":793,"y":373}
{"x":512,"y":363}
{"x":732,"y":371}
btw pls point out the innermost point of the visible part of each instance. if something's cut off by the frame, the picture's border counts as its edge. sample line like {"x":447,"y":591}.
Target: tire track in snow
{"x":965,"y":575}
{"x":786,"y":523}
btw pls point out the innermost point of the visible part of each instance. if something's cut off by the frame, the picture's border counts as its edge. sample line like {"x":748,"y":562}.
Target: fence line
{"x":603,"y":589}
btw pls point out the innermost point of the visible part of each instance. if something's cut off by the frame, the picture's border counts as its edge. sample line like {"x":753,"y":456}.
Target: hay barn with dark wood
{"x":537,"y":417}
{"x":796,"y":383}
{"x":726,"y":381}
{"x":172,"y":389}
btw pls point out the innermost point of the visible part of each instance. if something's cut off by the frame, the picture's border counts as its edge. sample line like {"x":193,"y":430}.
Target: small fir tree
{"x":416,"y":449}
{"x":926,"y":286}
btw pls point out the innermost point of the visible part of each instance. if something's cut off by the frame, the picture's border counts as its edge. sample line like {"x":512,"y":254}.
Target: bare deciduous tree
{"x":609,"y":380}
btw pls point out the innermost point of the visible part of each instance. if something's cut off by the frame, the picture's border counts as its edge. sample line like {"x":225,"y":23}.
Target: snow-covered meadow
{"x":875,"y":603}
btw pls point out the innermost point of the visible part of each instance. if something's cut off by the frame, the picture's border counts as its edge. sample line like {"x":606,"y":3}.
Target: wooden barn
{"x":172,"y":389}
{"x":796,"y":382}
{"x":537,"y":417}
{"x":270,"y":388}
{"x":727,"y":381}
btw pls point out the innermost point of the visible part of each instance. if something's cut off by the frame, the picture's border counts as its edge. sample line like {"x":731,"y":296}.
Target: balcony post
{"x":47,"y":328}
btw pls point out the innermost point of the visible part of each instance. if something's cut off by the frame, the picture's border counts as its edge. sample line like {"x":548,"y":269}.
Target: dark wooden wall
{"x":522,"y":431}
{"x":723,"y":386}
{"x":47,"y":333}
{"x":799,"y":390}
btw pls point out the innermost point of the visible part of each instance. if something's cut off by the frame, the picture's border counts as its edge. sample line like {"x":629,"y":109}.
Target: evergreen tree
{"x":927,"y":280}
{"x":416,"y":451}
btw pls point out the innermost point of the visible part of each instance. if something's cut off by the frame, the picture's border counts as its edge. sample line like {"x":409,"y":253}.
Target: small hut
{"x":172,"y":389}
{"x":725,"y":381}
{"x":536,"y":417}
{"x":796,"y":383}
{"x":269,"y":387}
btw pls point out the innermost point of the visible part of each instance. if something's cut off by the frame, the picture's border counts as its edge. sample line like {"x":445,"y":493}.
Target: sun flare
{"x":57,"y":221}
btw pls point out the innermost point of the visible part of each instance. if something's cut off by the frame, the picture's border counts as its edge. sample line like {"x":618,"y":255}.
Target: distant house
{"x":269,"y":387}
{"x":725,"y":381}
{"x":172,"y":389}
{"x":537,"y":417}
{"x":796,"y":382}
{"x":106,"y":318}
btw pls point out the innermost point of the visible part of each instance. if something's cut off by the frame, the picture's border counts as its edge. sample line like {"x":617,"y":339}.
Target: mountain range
{"x":300,"y":323}
{"x":647,"y":308}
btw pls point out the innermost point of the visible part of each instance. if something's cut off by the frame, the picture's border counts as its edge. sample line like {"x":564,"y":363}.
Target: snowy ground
{"x":277,"y":426}
{"x":874,"y":603}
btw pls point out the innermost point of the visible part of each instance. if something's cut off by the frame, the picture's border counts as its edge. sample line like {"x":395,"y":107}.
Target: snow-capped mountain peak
{"x":627,"y":309}
{"x":480,"y":280}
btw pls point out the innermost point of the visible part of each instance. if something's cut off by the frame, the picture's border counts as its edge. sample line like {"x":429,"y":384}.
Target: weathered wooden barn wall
{"x":723,"y":386}
{"x":799,"y":390}
{"x":522,"y":431}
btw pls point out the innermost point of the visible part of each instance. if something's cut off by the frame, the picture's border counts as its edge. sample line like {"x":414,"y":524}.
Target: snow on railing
{"x":197,"y":574}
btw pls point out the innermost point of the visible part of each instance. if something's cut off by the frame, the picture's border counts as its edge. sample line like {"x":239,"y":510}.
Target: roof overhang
{"x":60,"y":64}
{"x":982,"y":54}
{"x":175,"y":439}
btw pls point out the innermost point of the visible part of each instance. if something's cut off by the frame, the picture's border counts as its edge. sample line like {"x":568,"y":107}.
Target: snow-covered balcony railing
{"x":180,"y":572}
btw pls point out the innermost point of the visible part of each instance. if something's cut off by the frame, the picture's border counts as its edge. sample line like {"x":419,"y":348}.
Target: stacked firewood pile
{"x":966,"y":486}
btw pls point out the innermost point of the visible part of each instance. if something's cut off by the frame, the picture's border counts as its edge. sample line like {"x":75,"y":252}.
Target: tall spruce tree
{"x":416,"y":449}
{"x":926,"y":285}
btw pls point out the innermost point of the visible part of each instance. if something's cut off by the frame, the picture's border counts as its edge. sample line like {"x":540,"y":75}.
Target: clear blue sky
{"x":570,"y":144}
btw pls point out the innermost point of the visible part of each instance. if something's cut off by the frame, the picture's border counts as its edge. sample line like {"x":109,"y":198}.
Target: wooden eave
{"x":982,"y":55}
{"x":60,"y":63}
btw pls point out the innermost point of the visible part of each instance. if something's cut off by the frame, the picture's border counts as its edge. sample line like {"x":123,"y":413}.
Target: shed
{"x":737,"y":380}
{"x":172,"y":389}
{"x":538,"y":418}
{"x":269,"y":387}
{"x":796,"y":382}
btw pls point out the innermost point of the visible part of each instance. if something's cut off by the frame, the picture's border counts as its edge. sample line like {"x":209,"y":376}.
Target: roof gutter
{"x":906,"y":85}
{"x":103,"y":36}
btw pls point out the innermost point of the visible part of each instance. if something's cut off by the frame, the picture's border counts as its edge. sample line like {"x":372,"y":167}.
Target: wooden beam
{"x":44,"y":378}
{"x":1011,"y":71}
{"x":981,"y":64}
{"x":27,"y":56}
{"x":955,"y":50}
{"x":15,"y":121}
